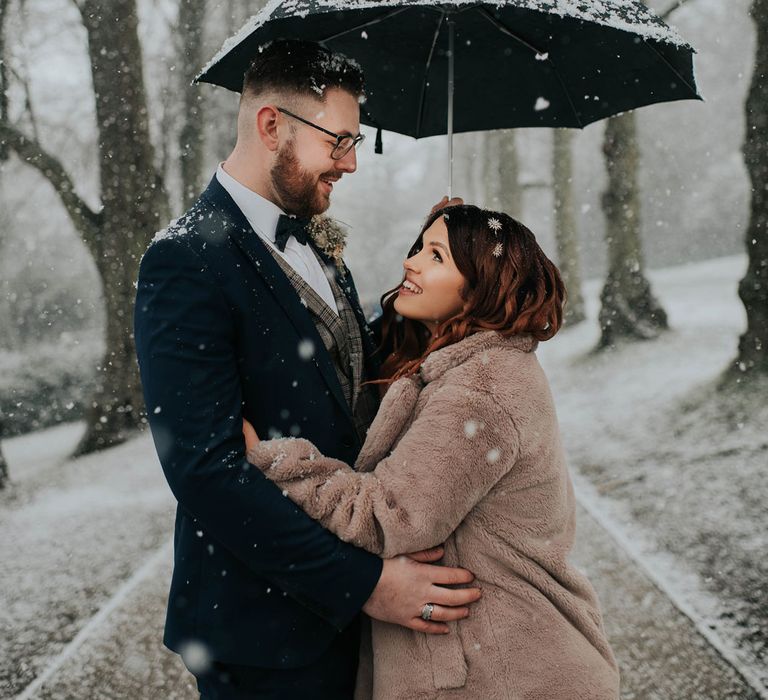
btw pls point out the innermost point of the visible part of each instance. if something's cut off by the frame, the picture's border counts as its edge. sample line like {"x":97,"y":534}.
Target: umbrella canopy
{"x":518,"y":63}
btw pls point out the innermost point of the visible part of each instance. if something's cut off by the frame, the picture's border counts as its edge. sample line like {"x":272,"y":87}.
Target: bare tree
{"x":4,"y":4}
{"x":566,"y":233}
{"x":752,"y":358}
{"x":191,"y":137}
{"x":4,"y":476}
{"x":133,"y":202}
{"x":4,"y":155}
{"x":629,"y":309}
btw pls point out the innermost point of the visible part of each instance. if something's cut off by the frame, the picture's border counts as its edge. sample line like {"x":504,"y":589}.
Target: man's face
{"x":304,"y":173}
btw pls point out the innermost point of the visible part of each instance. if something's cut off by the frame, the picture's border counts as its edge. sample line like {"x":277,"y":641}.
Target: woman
{"x":465,"y":450}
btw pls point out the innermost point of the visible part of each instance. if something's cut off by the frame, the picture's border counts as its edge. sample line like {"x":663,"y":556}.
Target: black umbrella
{"x":508,"y":63}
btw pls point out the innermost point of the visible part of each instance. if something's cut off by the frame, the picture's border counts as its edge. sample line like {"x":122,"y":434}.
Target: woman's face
{"x":431,"y":292}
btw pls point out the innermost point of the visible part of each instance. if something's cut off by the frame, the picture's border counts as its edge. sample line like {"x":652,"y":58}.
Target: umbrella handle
{"x":451,"y":65}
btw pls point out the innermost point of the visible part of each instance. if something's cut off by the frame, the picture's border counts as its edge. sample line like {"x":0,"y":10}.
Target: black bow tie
{"x":288,"y":226}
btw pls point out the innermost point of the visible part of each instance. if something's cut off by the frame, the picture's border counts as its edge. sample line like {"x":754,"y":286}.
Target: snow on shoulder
{"x":178,"y":227}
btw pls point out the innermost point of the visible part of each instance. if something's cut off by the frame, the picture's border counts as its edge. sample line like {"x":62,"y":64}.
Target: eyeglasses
{"x":344,"y":143}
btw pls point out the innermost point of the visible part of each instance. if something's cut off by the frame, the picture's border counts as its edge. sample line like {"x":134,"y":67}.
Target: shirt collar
{"x":262,"y":214}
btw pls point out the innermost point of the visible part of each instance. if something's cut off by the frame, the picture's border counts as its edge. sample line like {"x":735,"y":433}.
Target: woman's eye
{"x":436,"y":256}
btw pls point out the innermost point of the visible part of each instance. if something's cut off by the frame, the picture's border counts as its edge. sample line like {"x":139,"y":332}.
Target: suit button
{"x":346,"y":441}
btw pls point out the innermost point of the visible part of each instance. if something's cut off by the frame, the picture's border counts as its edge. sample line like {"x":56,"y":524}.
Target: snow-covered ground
{"x":73,"y":531}
{"x":678,"y":468}
{"x":674,"y":474}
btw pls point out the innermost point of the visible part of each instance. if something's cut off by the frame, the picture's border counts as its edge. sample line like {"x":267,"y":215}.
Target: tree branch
{"x":28,"y":109}
{"x":673,"y":8}
{"x":86,"y":220}
{"x":535,"y":185}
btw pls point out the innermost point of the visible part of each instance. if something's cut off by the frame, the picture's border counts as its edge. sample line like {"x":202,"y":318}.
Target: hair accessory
{"x":498,"y":249}
{"x":495,"y":225}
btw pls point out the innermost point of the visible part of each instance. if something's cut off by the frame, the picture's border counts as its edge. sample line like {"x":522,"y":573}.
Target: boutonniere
{"x":330,"y":237}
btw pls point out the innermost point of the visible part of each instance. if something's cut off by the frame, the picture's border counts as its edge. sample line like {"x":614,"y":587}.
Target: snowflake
{"x":498,"y":249}
{"x":494,"y":224}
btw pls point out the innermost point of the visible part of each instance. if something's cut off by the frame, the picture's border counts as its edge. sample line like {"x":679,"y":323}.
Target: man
{"x":237,"y":319}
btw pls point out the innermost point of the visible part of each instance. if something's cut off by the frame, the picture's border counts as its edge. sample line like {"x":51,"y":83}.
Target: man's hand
{"x":445,"y":202}
{"x":406,"y":586}
{"x":251,"y":438}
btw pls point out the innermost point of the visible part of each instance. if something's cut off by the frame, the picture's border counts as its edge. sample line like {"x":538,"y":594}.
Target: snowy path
{"x":73,"y":531}
{"x":662,"y":655}
{"x":85,"y":552}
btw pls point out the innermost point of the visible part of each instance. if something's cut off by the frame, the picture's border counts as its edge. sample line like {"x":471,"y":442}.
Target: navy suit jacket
{"x":218,"y":328}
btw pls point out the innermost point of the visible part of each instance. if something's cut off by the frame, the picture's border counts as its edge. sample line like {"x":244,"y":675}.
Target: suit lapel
{"x":249,"y":242}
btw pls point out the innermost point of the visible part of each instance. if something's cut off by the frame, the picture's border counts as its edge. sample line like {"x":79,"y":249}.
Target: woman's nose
{"x":409,"y":264}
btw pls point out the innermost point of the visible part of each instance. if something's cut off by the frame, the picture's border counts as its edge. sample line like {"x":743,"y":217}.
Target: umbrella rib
{"x":506,"y":30}
{"x":567,"y":95}
{"x":422,"y":97}
{"x":672,"y":68}
{"x":369,"y":23}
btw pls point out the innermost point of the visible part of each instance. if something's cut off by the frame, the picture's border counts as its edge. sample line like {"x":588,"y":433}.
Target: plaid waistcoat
{"x":342,"y":339}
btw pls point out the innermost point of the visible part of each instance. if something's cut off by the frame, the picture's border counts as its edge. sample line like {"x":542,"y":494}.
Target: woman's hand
{"x":445,"y":202}
{"x":251,"y":439}
{"x":428,"y":556}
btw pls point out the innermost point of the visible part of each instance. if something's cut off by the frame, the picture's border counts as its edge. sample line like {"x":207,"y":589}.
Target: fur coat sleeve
{"x":459,"y":445}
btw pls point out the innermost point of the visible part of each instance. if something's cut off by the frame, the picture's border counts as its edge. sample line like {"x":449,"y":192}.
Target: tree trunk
{"x":4,"y":153}
{"x":191,"y":138}
{"x":4,"y":476}
{"x":752,"y":357}
{"x":502,"y":173}
{"x":566,"y":234}
{"x":4,"y":150}
{"x":629,"y":310}
{"x":134,"y":205}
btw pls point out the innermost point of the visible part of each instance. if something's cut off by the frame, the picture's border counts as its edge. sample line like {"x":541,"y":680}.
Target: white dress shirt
{"x":263,"y":215}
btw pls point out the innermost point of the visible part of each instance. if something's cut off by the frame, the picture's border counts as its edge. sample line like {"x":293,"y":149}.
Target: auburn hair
{"x":511,"y":287}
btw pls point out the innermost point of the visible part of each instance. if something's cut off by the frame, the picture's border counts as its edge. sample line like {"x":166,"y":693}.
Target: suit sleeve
{"x":418,"y":495}
{"x":186,"y":349}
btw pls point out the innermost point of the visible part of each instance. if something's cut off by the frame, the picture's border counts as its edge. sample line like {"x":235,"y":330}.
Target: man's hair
{"x":303,"y":68}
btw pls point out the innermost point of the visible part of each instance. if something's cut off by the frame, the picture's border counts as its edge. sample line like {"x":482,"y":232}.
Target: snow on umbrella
{"x":507,"y":63}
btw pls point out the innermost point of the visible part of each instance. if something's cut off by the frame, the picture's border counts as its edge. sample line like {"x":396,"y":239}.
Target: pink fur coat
{"x":466,"y":453}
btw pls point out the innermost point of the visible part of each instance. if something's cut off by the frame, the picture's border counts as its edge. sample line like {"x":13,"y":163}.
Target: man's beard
{"x":296,"y":188}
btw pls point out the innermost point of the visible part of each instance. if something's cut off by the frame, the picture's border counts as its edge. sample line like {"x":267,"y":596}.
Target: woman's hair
{"x":510,"y":287}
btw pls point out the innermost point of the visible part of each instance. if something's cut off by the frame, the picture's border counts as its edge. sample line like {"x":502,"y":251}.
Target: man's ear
{"x":267,"y":119}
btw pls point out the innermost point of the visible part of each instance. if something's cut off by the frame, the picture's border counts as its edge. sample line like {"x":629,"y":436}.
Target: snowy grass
{"x":681,"y":465}
{"x":48,"y":384}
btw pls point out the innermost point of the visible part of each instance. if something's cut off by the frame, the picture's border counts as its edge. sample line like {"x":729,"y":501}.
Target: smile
{"x":412,"y":288}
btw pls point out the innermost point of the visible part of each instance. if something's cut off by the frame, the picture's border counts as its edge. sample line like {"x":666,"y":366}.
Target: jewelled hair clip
{"x":495,"y":225}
